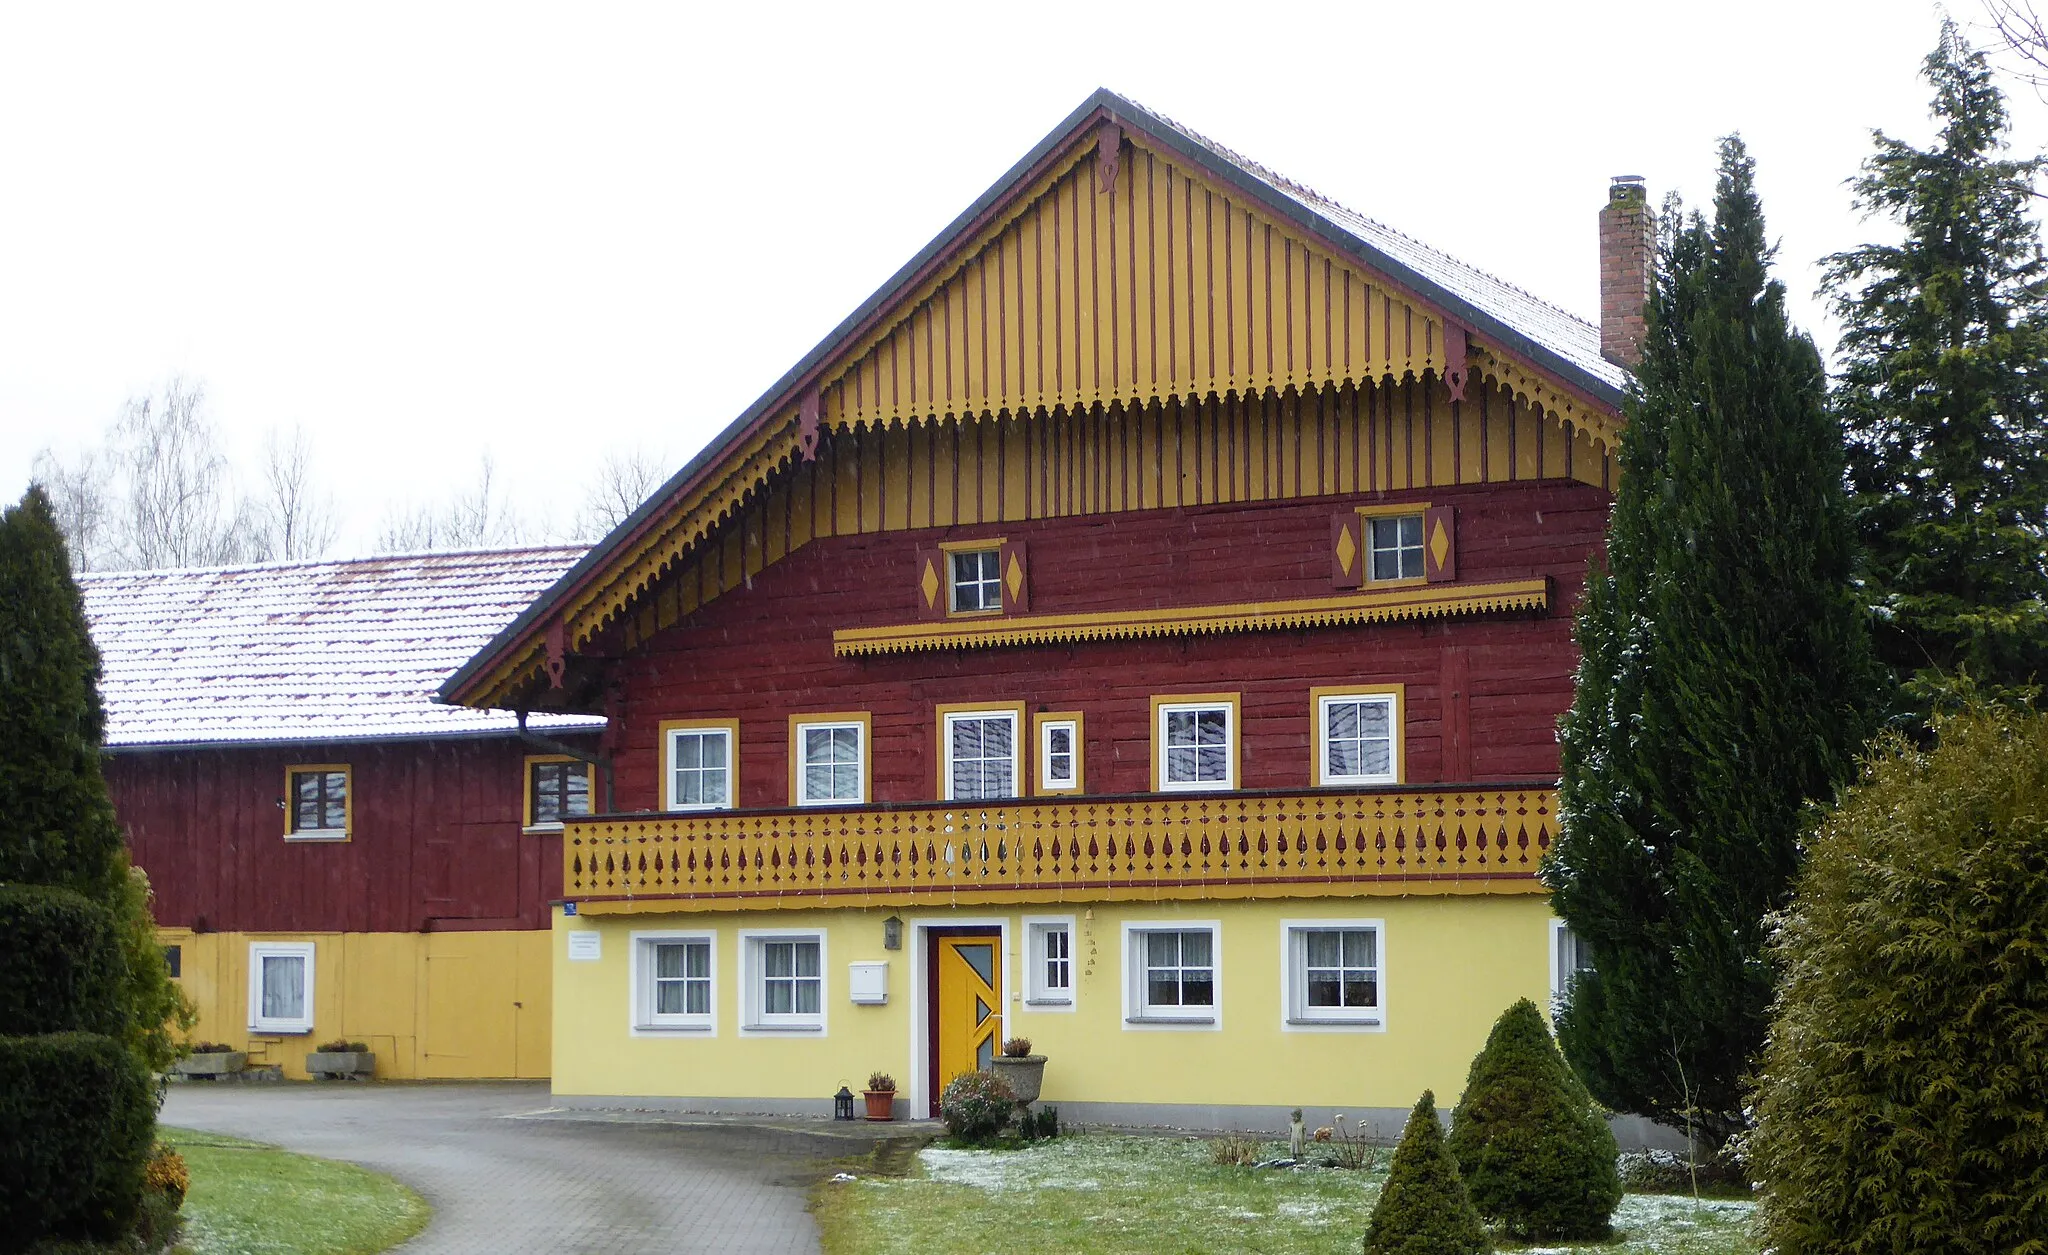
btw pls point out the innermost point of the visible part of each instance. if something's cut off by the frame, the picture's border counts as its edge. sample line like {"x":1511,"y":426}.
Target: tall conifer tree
{"x":1725,"y":678}
{"x":1944,"y":370}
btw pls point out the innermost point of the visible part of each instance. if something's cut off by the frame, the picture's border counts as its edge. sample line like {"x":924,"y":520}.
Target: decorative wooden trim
{"x":1319,"y":731}
{"x":970,"y":546}
{"x":867,"y":753}
{"x":1411,"y":599}
{"x":1021,"y":761}
{"x":348,"y":803}
{"x":1391,"y":509}
{"x":1157,"y":741}
{"x":1038,"y":722}
{"x":663,"y":748}
{"x":526,"y":767}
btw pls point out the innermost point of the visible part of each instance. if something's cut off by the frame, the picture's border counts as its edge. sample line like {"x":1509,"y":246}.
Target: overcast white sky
{"x":424,"y":231}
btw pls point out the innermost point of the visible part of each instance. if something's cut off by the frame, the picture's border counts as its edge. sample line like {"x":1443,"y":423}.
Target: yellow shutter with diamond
{"x":1016,"y":569}
{"x":969,"y":1004}
{"x":1347,"y":554}
{"x":1440,"y":544}
{"x":931,"y":584}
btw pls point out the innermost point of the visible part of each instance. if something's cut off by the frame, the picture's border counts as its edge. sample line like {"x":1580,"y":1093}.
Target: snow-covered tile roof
{"x":308,"y":651}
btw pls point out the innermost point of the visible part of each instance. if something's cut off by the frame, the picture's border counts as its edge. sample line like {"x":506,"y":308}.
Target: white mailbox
{"x":868,"y":983}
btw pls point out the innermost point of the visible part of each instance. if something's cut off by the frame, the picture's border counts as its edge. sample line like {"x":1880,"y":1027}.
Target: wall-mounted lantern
{"x":892,"y":933}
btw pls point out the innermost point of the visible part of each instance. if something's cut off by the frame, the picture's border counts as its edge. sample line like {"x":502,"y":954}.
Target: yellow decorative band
{"x":1426,"y":602}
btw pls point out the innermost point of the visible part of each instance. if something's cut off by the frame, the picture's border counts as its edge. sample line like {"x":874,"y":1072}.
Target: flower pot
{"x":1025,"y":1075}
{"x":342,"y":1064}
{"x":218,"y":1064}
{"x":881,"y":1103}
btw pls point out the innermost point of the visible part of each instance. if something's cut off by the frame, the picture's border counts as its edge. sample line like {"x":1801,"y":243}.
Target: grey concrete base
{"x":779,"y":1108}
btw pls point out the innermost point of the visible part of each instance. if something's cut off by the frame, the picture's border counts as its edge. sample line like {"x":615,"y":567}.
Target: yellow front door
{"x":969,"y":1010}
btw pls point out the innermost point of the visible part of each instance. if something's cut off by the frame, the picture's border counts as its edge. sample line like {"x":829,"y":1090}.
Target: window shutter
{"x":1347,"y":550}
{"x":1440,"y":544}
{"x":1016,"y":568}
{"x":931,"y":584}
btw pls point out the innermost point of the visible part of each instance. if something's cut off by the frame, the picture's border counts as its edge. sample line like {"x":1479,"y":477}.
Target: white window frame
{"x":1558,"y":975}
{"x":754,"y":1021}
{"x":261,"y":950}
{"x":645,"y":1019}
{"x":1046,"y":782}
{"x":1295,"y":1013}
{"x":1138,"y":1015}
{"x":1161,"y":717}
{"x":1324,"y":701}
{"x":953,"y":584}
{"x":1038,"y":995}
{"x":668,"y":761}
{"x":860,"y":763}
{"x":952,"y":717}
{"x":1421,"y":547}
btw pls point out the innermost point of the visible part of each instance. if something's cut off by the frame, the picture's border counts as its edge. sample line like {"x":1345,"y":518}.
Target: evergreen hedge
{"x":77,"y":1118}
{"x":1536,"y":1155}
{"x":1423,"y":1208}
{"x":1903,"y":1105}
{"x":64,"y":968}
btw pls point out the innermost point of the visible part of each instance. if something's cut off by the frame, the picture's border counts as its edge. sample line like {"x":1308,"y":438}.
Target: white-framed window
{"x":1358,"y":738}
{"x":1059,"y":756}
{"x":1171,"y":974}
{"x":831,"y":768}
{"x":280,"y":986}
{"x":1394,"y":547}
{"x":783,"y":979}
{"x":981,"y":754}
{"x":976,"y":580}
{"x":1197,"y":745}
{"x":701,"y":765}
{"x":673,"y":983}
{"x":1334,"y":973}
{"x":1568,"y":957}
{"x":1049,"y":961}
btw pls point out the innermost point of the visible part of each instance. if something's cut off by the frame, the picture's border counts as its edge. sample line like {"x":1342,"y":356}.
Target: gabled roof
{"x":310,"y":651}
{"x":1561,"y":345}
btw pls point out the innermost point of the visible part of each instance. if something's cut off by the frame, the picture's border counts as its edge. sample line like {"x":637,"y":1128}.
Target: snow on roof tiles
{"x":309,"y":651}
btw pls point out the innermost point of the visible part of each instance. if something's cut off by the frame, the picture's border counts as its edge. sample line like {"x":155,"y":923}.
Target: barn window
{"x":317,"y":802}
{"x":556,"y":789}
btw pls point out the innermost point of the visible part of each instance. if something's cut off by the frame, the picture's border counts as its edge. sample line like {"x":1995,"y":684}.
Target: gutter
{"x":603,"y":762}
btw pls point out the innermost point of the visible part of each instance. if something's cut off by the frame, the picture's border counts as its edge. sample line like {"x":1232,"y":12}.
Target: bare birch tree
{"x":299,"y":521}
{"x":479,"y":517}
{"x":625,"y":479}
{"x":79,"y":494}
{"x":2018,"y":28}
{"x":177,"y":505}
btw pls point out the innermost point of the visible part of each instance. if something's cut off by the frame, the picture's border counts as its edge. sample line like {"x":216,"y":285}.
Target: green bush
{"x":1423,"y":1208}
{"x":77,"y":1120}
{"x":976,"y":1106}
{"x":1902,"y":1097}
{"x":1536,"y":1154}
{"x":64,"y":969}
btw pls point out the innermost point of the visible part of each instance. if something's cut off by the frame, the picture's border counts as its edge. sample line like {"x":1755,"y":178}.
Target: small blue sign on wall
{"x":568,"y":908}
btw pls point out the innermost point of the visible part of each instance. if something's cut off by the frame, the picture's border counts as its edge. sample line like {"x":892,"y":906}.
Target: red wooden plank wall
{"x":436,"y":842}
{"x":761,"y":653}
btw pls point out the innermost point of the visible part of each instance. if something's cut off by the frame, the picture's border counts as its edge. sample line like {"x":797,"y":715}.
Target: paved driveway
{"x":504,"y":1174}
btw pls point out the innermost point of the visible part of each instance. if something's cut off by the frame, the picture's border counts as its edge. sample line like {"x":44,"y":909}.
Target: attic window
{"x":977,"y":581}
{"x":1396,"y":548}
{"x":317,"y":802}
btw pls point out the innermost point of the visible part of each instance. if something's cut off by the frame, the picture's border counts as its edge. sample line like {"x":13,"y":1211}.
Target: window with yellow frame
{"x":318,"y":802}
{"x":557,"y":788}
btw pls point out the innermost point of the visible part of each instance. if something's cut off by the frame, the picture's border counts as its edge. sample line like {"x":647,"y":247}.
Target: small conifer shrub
{"x":1537,"y":1157}
{"x":1902,"y":1095}
{"x":1423,"y":1208}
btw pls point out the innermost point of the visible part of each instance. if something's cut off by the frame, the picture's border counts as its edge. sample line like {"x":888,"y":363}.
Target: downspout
{"x":548,"y":744}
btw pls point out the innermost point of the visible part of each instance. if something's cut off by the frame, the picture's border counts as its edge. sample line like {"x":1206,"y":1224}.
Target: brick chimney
{"x":1626,"y":231}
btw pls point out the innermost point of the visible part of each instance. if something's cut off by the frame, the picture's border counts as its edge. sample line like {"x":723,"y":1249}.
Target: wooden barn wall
{"x":1332,"y":441}
{"x":436,"y":842}
{"x":767,"y":652}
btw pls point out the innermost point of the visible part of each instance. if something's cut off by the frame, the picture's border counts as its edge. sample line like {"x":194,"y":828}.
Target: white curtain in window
{"x":284,"y":987}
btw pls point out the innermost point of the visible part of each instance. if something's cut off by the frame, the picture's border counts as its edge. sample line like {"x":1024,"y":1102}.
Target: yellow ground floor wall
{"x":1449,"y":966}
{"x":451,"y":1005}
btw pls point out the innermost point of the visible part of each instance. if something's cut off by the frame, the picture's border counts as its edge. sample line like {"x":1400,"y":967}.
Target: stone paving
{"x":505,"y":1172}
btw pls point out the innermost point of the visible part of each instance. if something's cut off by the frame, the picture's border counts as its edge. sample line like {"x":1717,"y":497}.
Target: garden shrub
{"x":64,"y":968}
{"x":77,"y":1119}
{"x":976,"y":1106}
{"x":1536,"y":1154}
{"x":1423,"y":1208}
{"x":1901,"y":1100}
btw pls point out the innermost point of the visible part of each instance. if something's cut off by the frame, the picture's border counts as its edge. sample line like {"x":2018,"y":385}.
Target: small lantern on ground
{"x":842,"y":1104}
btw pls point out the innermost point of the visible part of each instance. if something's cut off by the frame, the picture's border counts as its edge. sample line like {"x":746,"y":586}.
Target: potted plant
{"x":1024,"y":1071}
{"x":212,"y":1060}
{"x":342,"y":1060}
{"x":881,"y":1096}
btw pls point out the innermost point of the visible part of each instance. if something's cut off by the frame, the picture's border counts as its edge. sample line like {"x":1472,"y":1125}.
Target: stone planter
{"x":345,"y":1065}
{"x":1024,"y":1075}
{"x":881,"y":1103}
{"x":213,"y":1066}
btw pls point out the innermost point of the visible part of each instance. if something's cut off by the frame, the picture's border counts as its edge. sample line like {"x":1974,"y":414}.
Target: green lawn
{"x":1111,"y":1193}
{"x":251,"y":1199}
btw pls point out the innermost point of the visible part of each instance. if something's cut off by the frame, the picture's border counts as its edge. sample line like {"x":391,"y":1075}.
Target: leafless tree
{"x":624,"y":480}
{"x":2018,"y":32}
{"x":478,"y":518}
{"x":79,"y":494}
{"x":177,"y":505}
{"x":299,"y":521}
